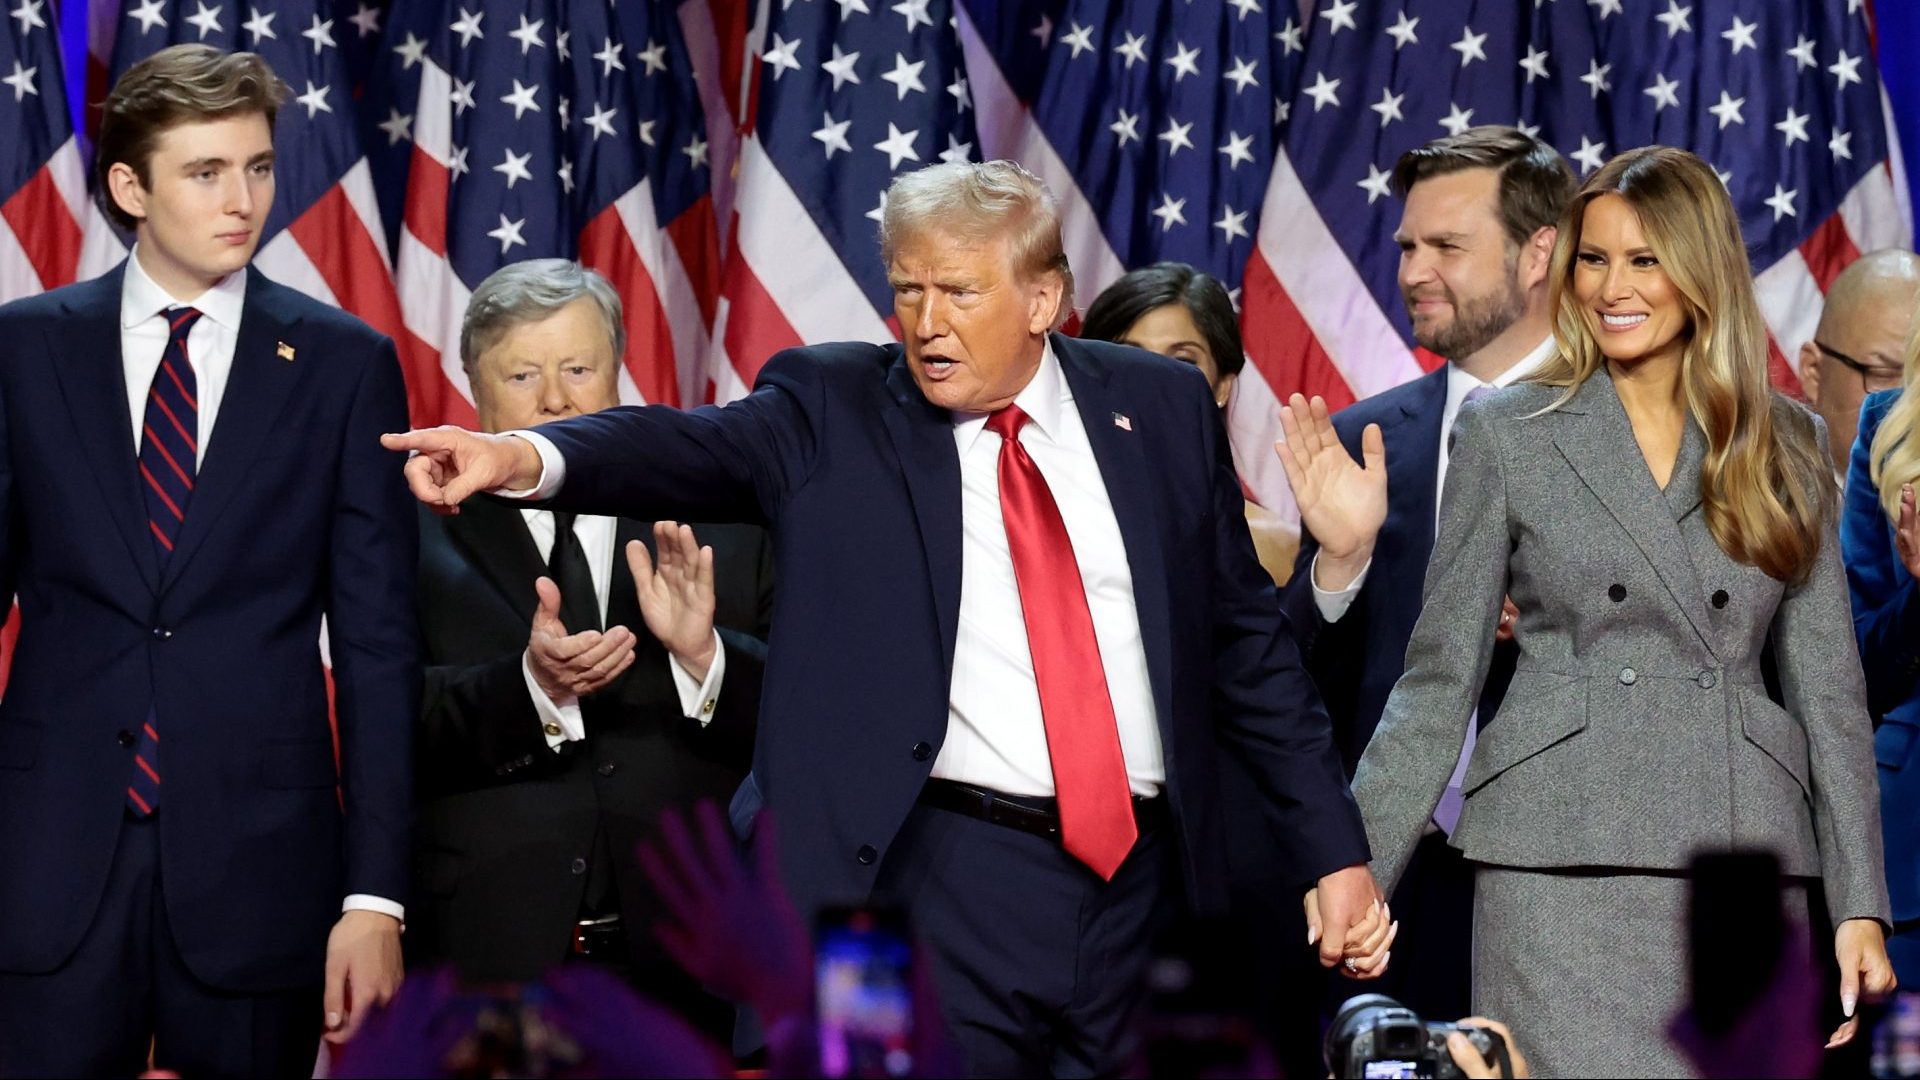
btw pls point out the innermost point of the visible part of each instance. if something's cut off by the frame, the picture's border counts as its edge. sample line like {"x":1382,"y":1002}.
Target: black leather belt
{"x":1028,"y":813}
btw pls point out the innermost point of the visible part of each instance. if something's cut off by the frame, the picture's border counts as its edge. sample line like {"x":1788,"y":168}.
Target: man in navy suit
{"x":1018,"y":607}
{"x":1475,"y":237}
{"x":189,"y":480}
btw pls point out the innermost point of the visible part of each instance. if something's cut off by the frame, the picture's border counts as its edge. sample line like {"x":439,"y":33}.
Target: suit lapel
{"x":257,"y":389}
{"x":1412,"y":441}
{"x":93,"y":381}
{"x":1596,"y":438}
{"x":494,"y":539}
{"x":1121,"y":454}
{"x":922,"y":436}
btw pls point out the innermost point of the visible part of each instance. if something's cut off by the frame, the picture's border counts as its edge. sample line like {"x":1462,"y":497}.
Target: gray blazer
{"x":1637,"y":730}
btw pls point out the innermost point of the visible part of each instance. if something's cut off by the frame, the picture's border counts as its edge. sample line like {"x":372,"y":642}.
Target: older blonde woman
{"x":1881,"y":543}
{"x":1656,"y":512}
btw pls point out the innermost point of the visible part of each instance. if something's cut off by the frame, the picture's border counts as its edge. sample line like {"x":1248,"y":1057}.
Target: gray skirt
{"x":1587,"y":968}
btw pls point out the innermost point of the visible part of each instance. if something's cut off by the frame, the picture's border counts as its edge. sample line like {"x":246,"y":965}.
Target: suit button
{"x":161,"y":633}
{"x":1628,"y":676}
{"x":866,"y":855}
{"x":1616,"y":592}
{"x":922,"y":751}
{"x":126,"y":738}
{"x":1707,"y":680}
{"x":578,"y":866}
{"x":1720,"y":598}
{"x":605,"y":768}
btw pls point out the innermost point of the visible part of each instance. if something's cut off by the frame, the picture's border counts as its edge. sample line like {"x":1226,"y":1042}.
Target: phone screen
{"x":863,"y":986}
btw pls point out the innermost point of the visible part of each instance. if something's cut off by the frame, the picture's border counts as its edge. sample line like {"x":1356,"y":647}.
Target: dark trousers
{"x":1038,"y":963}
{"x":127,"y":991}
{"x":1432,"y":969}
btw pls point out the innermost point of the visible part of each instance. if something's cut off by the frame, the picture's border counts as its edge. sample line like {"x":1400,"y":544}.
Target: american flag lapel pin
{"x":286,"y":352}
{"x":1123,"y":421}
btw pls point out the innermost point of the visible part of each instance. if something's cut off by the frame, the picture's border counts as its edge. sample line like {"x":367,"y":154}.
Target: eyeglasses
{"x":1872,"y":378}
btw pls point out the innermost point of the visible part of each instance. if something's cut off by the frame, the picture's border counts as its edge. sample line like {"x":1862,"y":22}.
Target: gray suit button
{"x":1707,"y":680}
{"x":1628,"y":676}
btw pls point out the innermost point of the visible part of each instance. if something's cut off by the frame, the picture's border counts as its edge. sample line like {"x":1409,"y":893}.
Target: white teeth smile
{"x":940,"y":365}
{"x":1623,"y":320}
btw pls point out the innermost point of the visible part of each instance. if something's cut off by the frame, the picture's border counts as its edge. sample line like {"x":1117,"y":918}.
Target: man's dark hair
{"x":1122,"y":303}
{"x":1536,"y":183}
{"x":181,"y":84}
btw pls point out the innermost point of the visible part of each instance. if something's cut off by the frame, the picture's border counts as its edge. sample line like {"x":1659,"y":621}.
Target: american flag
{"x":1249,"y":137}
{"x":571,"y":129}
{"x":42,"y":181}
{"x":1783,"y":98}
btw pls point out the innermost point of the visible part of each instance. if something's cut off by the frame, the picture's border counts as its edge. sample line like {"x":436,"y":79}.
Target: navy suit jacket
{"x":1357,"y":660}
{"x":856,"y":473}
{"x":297,"y":512}
{"x":1886,"y":619}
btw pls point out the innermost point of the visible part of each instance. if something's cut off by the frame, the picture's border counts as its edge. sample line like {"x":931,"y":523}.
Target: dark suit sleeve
{"x":1266,"y":706}
{"x":1886,"y":603}
{"x":737,"y":716}
{"x":733,"y":463}
{"x":373,"y":634}
{"x":477,"y":721}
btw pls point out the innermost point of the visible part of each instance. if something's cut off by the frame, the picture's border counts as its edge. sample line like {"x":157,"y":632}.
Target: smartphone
{"x":863,"y":992}
{"x":1738,"y":930}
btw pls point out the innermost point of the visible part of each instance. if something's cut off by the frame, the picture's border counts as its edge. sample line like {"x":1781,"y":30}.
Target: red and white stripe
{"x":40,"y":227}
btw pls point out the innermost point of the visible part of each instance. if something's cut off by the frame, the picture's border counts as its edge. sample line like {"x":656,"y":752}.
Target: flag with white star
{"x":1781,"y":96}
{"x":521,"y":129}
{"x":43,"y":187}
{"x":323,"y":235}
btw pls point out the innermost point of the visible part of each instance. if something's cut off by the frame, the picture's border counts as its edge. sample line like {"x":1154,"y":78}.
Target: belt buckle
{"x":585,"y":929}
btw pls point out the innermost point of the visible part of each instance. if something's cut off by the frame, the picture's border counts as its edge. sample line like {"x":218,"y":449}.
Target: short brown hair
{"x":180,"y":84}
{"x":1536,"y":183}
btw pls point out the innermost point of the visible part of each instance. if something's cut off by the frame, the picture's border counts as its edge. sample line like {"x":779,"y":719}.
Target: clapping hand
{"x":1342,"y":502}
{"x":573,"y":665}
{"x":1906,"y":533}
{"x":676,"y":598}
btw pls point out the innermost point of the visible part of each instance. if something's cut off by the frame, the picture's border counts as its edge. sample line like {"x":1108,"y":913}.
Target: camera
{"x":1374,"y":1036}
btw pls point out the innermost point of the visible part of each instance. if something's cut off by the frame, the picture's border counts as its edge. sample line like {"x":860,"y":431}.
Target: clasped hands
{"x":1351,"y":923}
{"x":676,"y":601}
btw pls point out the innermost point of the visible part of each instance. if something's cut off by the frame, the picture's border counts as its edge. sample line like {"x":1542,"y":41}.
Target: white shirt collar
{"x":1459,"y":382}
{"x":141,"y":298}
{"x":1043,"y":399}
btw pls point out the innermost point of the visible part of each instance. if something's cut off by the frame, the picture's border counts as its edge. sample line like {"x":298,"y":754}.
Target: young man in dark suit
{"x":1019,"y":606}
{"x":190,"y":478}
{"x":1475,"y":239}
{"x":573,"y":681}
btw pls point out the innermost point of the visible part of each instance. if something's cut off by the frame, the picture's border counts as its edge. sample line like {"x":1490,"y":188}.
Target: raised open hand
{"x":1342,"y":502}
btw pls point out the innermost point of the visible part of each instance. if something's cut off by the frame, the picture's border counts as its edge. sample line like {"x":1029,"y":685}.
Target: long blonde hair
{"x":1894,"y":456}
{"x":1766,"y":487}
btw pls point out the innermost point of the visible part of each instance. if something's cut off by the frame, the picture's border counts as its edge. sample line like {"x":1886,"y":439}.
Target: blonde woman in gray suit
{"x":1655,"y":511}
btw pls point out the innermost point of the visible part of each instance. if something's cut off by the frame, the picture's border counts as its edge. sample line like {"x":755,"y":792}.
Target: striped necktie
{"x":169,"y":451}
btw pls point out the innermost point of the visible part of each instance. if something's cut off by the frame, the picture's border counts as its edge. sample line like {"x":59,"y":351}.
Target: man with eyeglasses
{"x":1859,"y":344}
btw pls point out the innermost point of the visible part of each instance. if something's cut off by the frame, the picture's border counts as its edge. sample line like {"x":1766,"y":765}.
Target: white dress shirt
{"x":560,"y":717}
{"x":995,"y":737}
{"x":210,"y":344}
{"x":1333,"y":604}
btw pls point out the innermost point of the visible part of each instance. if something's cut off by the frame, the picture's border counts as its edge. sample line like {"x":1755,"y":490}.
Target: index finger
{"x":419,"y":440}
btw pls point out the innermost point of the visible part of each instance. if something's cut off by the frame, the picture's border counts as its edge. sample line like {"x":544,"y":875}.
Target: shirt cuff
{"x":697,"y":699}
{"x":553,"y":469}
{"x":559,"y":720}
{"x":1333,"y":605}
{"x":364,"y":902}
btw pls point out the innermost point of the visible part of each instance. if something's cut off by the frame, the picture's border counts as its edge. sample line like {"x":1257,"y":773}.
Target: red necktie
{"x":1089,"y":773}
